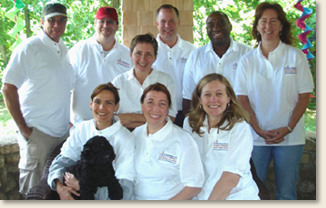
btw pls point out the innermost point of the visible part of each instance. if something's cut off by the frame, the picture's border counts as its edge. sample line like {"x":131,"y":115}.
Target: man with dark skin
{"x":220,"y":55}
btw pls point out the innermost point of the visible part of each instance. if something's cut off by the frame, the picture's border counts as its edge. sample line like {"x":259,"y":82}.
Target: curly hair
{"x":286,"y":33}
{"x":233,"y":113}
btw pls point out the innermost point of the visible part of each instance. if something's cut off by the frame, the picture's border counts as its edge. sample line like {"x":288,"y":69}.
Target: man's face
{"x":106,"y":27}
{"x":218,"y":29}
{"x":167,"y":24}
{"x":54,"y":27}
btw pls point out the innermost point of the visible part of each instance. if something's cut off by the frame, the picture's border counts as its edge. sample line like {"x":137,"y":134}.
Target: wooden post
{"x":138,"y":17}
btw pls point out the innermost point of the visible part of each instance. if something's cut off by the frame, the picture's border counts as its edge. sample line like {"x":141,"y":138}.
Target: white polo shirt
{"x":204,"y":61}
{"x":165,"y":162}
{"x":41,"y":71}
{"x":94,"y":68}
{"x":119,"y":137}
{"x":173,"y":61}
{"x":226,"y":151}
{"x":130,"y":90}
{"x":272,"y":86}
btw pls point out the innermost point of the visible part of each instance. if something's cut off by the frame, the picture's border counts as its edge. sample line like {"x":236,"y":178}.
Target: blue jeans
{"x":286,"y":164}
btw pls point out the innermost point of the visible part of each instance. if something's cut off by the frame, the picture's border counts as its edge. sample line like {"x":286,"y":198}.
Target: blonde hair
{"x":233,"y":113}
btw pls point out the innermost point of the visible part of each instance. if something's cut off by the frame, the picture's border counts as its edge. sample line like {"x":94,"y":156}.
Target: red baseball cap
{"x":107,"y":12}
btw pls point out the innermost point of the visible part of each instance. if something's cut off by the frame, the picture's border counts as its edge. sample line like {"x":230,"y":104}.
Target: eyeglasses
{"x":62,"y":20}
{"x":264,"y":22}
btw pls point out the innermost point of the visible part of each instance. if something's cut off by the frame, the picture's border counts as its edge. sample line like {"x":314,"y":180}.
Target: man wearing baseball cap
{"x":97,"y":60}
{"x":54,"y":19}
{"x":36,"y":87}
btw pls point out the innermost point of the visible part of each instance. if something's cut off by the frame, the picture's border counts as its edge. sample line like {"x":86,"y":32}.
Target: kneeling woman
{"x":104,"y":103}
{"x":167,"y":161}
{"x":219,"y":126}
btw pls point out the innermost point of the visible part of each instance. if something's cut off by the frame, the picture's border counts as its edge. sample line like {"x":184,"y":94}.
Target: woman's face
{"x":103,"y":107}
{"x":155,"y":109}
{"x":269,"y":26}
{"x":214,"y":100}
{"x":143,"y":57}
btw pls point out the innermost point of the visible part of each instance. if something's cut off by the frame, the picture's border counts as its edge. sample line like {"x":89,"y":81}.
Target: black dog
{"x":94,"y":169}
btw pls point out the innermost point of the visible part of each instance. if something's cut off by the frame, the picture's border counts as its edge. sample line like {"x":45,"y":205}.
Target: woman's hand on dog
{"x":71,"y":181}
{"x":65,"y":191}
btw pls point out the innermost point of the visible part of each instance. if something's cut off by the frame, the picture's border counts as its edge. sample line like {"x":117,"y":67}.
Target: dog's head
{"x":98,"y":150}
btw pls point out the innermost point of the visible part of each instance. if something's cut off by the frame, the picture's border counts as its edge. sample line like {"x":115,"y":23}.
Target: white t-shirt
{"x":119,"y":137}
{"x":173,"y":61}
{"x":130,"y":90}
{"x":226,"y":151}
{"x":165,"y":162}
{"x":40,"y":69}
{"x":93,"y":69}
{"x":272,"y":86}
{"x":204,"y":61}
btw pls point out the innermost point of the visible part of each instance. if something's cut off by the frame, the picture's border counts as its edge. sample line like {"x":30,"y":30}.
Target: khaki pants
{"x":33,"y":156}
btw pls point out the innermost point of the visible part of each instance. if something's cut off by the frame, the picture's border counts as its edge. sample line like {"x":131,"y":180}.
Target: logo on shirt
{"x":220,"y":146}
{"x":167,"y":157}
{"x":290,"y":69}
{"x":183,"y":60}
{"x":123,"y":63}
{"x":235,"y":65}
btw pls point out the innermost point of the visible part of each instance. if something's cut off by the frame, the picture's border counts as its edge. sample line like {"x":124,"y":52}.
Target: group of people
{"x":239,"y":103}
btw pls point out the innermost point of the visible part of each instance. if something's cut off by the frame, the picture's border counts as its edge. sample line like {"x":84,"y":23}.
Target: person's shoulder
{"x":250,"y":54}
{"x":122,"y":47}
{"x":185,"y":43}
{"x":125,"y":133}
{"x":84,"y":123}
{"x":181,"y":134}
{"x":292,"y":49}
{"x":241,"y":125}
{"x":243,"y":47}
{"x":30,"y":42}
{"x":138,"y":130}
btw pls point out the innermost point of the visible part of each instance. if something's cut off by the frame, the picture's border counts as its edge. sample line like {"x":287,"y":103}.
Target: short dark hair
{"x":159,"y":88}
{"x":167,"y":6}
{"x":219,"y":13}
{"x":107,"y":86}
{"x":144,"y":38}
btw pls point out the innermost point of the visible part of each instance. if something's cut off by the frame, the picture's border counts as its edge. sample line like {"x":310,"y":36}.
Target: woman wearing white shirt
{"x":273,"y":83}
{"x":167,"y":161}
{"x":131,"y":84}
{"x":104,"y":103}
{"x":219,"y":126}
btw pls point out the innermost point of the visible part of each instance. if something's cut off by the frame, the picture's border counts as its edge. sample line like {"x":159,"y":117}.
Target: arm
{"x":224,"y":186}
{"x":56,"y":174}
{"x":267,"y":135}
{"x":298,"y":111}
{"x":186,"y":193}
{"x":131,"y":120}
{"x":11,"y":99}
{"x":65,"y":191}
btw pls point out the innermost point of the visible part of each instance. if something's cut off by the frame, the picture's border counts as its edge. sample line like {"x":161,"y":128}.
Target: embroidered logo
{"x":220,"y":146}
{"x":290,"y":69}
{"x":168,"y":158}
{"x":235,"y":65}
{"x":183,"y":60}
{"x":123,"y":63}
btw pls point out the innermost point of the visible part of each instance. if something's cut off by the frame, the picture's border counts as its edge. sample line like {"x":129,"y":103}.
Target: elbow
{"x":8,"y":89}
